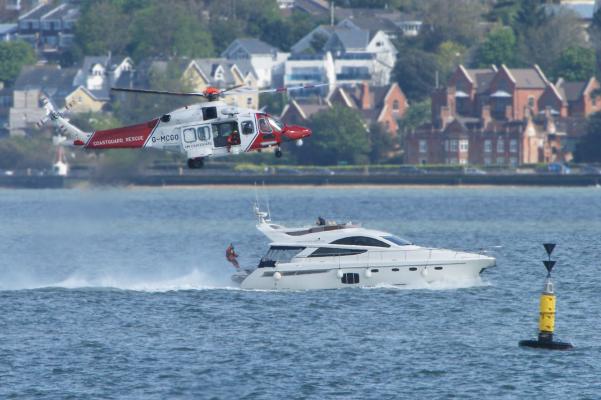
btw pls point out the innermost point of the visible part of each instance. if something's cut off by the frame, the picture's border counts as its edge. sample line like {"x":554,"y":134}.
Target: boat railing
{"x":375,"y":257}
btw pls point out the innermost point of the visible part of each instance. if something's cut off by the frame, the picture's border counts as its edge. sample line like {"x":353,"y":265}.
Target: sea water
{"x":126,"y":293}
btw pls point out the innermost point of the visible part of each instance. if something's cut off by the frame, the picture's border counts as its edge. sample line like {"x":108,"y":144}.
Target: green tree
{"x":169,"y":29}
{"x":589,"y":148}
{"x":381,"y":144}
{"x":339,"y":135}
{"x":448,"y":56}
{"x":544,"y":44}
{"x":498,"y":48}
{"x":595,"y":31}
{"x":451,"y":20}
{"x":575,"y":64}
{"x":504,"y":11}
{"x":13,"y":56}
{"x":415,"y":72}
{"x":102,"y":27}
{"x":417,"y":114}
{"x":130,"y":108}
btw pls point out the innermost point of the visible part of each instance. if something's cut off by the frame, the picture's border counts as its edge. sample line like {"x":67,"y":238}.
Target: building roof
{"x":51,"y":11}
{"x":528,"y":78}
{"x":481,"y":78}
{"x":314,"y":7}
{"x":253,"y":46}
{"x":584,"y":9}
{"x":352,"y":39}
{"x":572,"y":91}
{"x":63,"y":11}
{"x":52,"y":80}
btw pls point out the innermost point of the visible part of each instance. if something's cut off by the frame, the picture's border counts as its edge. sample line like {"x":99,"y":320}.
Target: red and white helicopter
{"x":207,"y":129}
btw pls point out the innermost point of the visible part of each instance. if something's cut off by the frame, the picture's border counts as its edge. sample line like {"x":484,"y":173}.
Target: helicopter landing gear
{"x":278,"y":153}
{"x":195,"y":163}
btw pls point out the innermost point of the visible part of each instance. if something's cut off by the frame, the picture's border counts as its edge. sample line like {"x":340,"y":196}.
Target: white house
{"x":267,"y":61}
{"x":359,"y":55}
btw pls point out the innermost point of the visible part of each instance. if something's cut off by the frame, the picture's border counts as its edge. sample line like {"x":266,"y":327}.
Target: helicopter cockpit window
{"x":276,"y":123}
{"x":189,"y":135}
{"x":209,"y":113}
{"x":202,"y":133}
{"x":264,"y":125}
{"x":248,"y":127}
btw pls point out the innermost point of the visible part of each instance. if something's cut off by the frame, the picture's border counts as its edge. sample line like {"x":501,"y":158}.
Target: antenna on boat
{"x":262,"y":215}
{"x":267,"y":203}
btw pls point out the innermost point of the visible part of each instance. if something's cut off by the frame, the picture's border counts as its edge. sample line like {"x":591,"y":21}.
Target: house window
{"x":453,"y":145}
{"x":513,"y":146}
{"x":513,"y":161}
{"x":396,"y":106}
{"x":500,"y":160}
{"x":463,"y":161}
{"x":500,"y":146}
{"x":487,"y":161}
{"x":531,"y":101}
{"x":488,"y":146}
{"x":249,"y":101}
{"x":423,"y":146}
{"x":452,"y":161}
{"x":464,"y":145}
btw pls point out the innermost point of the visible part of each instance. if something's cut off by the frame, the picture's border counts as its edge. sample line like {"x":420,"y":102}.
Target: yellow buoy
{"x":546,"y":321}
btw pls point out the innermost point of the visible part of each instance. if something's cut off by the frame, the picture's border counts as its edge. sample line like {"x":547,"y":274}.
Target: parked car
{"x":411,"y":170}
{"x":556,"y":168}
{"x":590,"y":170}
{"x":473,"y":171}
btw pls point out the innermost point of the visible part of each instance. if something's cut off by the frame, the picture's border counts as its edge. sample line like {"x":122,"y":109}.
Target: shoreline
{"x":341,"y":181}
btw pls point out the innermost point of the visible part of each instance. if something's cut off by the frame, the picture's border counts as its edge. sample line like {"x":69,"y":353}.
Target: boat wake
{"x":193,"y":280}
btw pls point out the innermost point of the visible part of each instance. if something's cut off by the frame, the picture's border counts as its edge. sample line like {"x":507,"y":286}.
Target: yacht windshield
{"x":397,"y":240}
{"x":282,"y":253}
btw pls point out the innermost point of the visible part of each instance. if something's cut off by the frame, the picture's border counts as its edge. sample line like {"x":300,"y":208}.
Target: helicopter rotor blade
{"x":162,"y":92}
{"x":291,"y":88}
{"x":280,"y":89}
{"x":233,"y":88}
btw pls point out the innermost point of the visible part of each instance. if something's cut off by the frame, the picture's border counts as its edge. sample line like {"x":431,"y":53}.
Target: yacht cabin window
{"x":331,"y":252}
{"x":397,"y":240}
{"x":361,"y":241}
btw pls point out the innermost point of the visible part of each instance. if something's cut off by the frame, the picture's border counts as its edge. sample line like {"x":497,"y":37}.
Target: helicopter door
{"x":226,"y":137}
{"x":197,"y":141}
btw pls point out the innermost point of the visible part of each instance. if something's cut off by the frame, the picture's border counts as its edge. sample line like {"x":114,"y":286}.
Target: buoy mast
{"x":546,"y":321}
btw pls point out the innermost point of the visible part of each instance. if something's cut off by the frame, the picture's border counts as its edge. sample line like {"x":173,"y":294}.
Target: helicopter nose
{"x":295,"y":132}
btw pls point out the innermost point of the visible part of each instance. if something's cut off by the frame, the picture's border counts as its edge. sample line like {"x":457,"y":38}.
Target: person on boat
{"x":231,"y":256}
{"x":321,"y":221}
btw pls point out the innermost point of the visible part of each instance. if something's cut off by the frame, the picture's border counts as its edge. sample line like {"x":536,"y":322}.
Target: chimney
{"x":509,"y":113}
{"x":365,"y":96}
{"x":445,"y":116}
{"x":485,"y":115}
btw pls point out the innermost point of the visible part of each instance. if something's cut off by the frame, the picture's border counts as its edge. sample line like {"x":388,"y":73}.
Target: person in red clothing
{"x":231,"y":256}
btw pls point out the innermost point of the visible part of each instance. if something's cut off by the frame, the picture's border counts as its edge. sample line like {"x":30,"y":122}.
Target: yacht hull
{"x":303,"y":277}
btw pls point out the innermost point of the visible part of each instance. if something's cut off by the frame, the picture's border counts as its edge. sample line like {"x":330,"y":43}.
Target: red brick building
{"x":376,"y":104}
{"x":502,"y":116}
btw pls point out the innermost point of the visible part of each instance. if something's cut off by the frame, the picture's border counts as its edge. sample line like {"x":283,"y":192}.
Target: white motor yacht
{"x":329,"y":255}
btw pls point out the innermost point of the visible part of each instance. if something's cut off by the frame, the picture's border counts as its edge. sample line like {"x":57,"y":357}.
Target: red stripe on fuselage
{"x":122,"y":138}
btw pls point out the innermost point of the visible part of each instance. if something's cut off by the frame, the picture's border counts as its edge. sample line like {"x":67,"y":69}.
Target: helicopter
{"x":202,"y":130}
